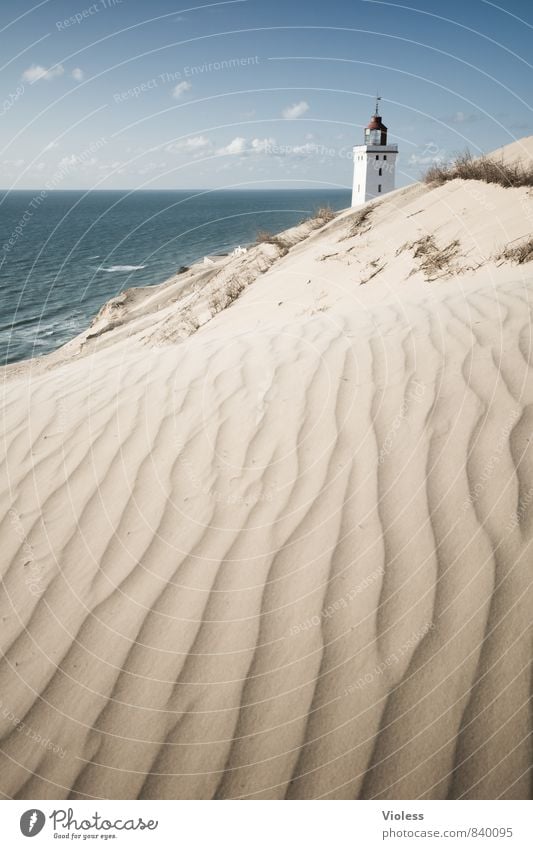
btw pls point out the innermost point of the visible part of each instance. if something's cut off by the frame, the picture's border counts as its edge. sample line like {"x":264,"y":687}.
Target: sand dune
{"x":282,"y":548}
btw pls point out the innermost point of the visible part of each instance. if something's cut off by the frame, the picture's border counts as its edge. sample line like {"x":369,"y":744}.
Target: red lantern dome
{"x":376,"y":131}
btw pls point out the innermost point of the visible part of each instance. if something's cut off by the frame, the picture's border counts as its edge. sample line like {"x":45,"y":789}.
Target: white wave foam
{"x":121,"y":268}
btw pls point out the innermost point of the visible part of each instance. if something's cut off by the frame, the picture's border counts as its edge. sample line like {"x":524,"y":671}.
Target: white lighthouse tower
{"x":374,"y":162}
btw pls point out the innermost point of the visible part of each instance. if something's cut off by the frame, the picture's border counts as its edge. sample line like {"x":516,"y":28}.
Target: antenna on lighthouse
{"x":378,"y":98}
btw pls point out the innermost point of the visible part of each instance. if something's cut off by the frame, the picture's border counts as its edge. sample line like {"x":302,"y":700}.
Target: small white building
{"x":214,"y":259}
{"x":374,"y":162}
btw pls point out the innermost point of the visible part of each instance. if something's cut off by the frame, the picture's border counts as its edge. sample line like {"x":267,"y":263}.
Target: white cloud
{"x":234,"y":148}
{"x":308,"y":149}
{"x":73,"y":162}
{"x":196,"y":145}
{"x":149,"y":167}
{"x":78,"y":74}
{"x":50,"y":146}
{"x":427,"y":159}
{"x":67,"y":162}
{"x":180,"y":89}
{"x":37,"y":72}
{"x":296,"y":110}
{"x":242,"y":147}
{"x":117,"y":166}
{"x":200,"y":146}
{"x":262,"y":145}
{"x":283,"y":151}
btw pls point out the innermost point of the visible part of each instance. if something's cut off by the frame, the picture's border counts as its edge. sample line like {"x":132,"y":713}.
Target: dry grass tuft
{"x":360,"y":221}
{"x":434,"y":261}
{"x":466,"y":167}
{"x":222,"y":299}
{"x":374,"y":268}
{"x":265,"y":237}
{"x":324,"y":214}
{"x":521,"y":253}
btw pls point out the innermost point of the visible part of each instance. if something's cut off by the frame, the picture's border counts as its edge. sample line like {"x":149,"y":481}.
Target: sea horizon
{"x":192,"y":190}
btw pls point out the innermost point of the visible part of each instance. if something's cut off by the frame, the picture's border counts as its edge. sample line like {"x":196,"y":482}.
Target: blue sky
{"x":252,"y":93}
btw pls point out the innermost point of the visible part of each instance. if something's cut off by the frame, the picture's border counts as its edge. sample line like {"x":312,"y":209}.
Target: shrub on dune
{"x":484,"y":168}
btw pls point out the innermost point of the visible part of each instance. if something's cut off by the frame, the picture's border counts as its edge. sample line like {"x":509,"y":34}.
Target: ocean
{"x":63,"y":254}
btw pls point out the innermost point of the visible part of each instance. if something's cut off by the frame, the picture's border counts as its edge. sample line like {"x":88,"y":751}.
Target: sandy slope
{"x":288,"y":553}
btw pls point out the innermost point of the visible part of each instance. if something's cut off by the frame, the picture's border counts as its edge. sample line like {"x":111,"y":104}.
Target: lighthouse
{"x":374,"y":162}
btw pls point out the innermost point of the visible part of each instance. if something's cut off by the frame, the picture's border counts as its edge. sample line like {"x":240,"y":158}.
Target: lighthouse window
{"x":384,"y":156}
{"x":379,"y":187}
{"x":380,"y":171}
{"x":377,"y":155}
